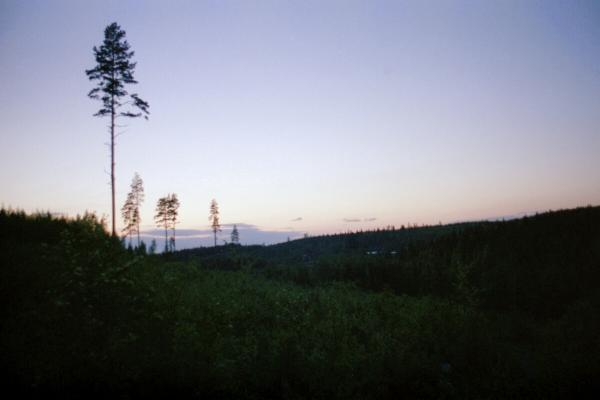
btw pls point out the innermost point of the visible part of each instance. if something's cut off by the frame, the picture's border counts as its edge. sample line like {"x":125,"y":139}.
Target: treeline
{"x":306,"y":251}
{"x":537,"y":265}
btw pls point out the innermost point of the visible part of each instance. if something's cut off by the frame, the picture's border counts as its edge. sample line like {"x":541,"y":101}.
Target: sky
{"x":308,"y":116}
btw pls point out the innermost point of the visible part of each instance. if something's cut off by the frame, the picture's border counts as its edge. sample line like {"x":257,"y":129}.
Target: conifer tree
{"x":137,"y":198}
{"x":235,"y":235}
{"x":131,"y":208}
{"x":152,"y":248}
{"x":162,"y":218}
{"x":166,"y":217}
{"x":172,"y":212}
{"x":128,"y":214}
{"x":214,"y":219}
{"x":113,"y":71}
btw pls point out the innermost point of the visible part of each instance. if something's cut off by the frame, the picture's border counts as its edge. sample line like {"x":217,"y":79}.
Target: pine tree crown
{"x":114,"y":70}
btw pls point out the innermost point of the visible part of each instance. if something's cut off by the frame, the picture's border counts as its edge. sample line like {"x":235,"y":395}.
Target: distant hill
{"x":306,"y":250}
{"x":537,"y":264}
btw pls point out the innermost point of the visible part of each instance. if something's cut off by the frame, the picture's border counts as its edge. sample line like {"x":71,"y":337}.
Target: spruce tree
{"x":113,"y":71}
{"x":235,"y":235}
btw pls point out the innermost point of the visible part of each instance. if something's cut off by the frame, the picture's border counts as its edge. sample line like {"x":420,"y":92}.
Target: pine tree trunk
{"x":166,"y":238}
{"x":112,"y":165}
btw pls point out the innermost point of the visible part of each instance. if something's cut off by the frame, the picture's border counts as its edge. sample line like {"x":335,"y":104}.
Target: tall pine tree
{"x":131,"y":208}
{"x":113,"y":71}
{"x":172,"y":212}
{"x":166,"y":217}
{"x":137,"y":197}
{"x":162,"y":218}
{"x":129,"y":215}
{"x":214,"y":219}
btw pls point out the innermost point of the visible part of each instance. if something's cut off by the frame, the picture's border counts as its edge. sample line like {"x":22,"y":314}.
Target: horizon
{"x":189,"y":238}
{"x":308,"y":117}
{"x":203,"y":238}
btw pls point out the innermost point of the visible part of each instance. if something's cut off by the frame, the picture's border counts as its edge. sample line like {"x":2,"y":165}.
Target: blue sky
{"x":312,"y":116}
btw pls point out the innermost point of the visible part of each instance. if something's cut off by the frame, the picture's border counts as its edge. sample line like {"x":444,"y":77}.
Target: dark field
{"x":479,"y":310}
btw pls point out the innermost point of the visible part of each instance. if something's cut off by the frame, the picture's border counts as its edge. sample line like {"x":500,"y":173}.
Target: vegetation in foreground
{"x":492,"y":311}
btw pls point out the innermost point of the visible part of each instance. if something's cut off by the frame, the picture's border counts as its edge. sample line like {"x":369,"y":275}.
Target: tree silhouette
{"x":137,"y":190}
{"x":214,"y":219}
{"x":129,"y":215}
{"x":114,"y":70}
{"x":131,"y":209}
{"x":162,"y":218}
{"x":172,"y":211}
{"x":235,"y":235}
{"x":152,"y":248}
{"x":166,"y":217}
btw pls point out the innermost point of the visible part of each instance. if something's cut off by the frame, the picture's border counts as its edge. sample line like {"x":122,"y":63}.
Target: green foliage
{"x":81,"y":313}
{"x":537,"y":265}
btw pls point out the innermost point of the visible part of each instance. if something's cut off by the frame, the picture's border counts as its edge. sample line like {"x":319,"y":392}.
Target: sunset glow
{"x":308,"y":117}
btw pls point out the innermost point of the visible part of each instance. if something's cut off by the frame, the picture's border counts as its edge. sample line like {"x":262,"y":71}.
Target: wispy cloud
{"x":240,"y":226}
{"x":297,"y":219}
{"x":370,"y":219}
{"x":180,"y":233}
